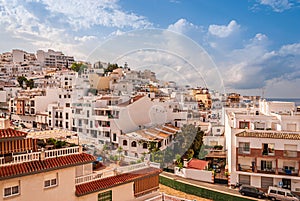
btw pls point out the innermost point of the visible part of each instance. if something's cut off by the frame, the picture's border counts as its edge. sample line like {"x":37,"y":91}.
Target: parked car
{"x":276,"y":193}
{"x":251,"y":191}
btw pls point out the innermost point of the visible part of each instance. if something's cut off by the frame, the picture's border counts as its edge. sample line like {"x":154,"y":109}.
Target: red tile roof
{"x":33,"y":167}
{"x":8,"y":133}
{"x":101,"y":184}
{"x":197,"y":164}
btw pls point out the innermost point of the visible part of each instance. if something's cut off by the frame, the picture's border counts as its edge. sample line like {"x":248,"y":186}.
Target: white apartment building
{"x":55,"y":59}
{"x":28,"y":103}
{"x":262,"y":145}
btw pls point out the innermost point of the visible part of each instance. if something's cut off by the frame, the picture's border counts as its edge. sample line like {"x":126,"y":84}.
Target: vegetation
{"x":29,"y":83}
{"x":200,"y":191}
{"x":110,"y":68}
{"x":78,"y":66}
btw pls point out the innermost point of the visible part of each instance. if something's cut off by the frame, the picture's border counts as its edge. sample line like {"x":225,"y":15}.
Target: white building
{"x":263,"y":145}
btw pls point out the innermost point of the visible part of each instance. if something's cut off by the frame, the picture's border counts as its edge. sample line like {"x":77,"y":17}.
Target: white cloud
{"x":290,"y":49}
{"x":85,"y":14}
{"x":182,"y":26}
{"x":224,"y":31}
{"x":85,"y":38}
{"x":277,"y":5}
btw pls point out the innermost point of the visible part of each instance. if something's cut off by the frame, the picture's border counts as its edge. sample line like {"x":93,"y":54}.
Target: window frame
{"x":11,"y":191}
{"x":51,"y":184}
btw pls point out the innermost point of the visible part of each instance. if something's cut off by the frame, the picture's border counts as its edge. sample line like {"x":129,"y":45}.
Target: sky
{"x":252,"y":45}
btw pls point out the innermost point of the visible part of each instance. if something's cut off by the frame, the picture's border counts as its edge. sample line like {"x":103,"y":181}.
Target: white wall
{"x":200,"y":175}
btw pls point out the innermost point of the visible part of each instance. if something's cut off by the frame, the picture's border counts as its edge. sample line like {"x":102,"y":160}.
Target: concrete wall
{"x":32,"y":186}
{"x":200,"y":175}
{"x":123,"y":192}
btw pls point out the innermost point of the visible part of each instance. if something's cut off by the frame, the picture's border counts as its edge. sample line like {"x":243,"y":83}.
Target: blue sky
{"x":255,"y":44}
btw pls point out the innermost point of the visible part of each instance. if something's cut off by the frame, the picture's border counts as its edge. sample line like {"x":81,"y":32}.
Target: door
{"x":286,"y":183}
{"x":266,"y":182}
{"x":244,"y":179}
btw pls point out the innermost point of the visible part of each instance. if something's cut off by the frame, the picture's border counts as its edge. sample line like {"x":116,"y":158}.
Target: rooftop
{"x":270,"y":134}
{"x":101,"y":184}
{"x":48,"y":164}
{"x":11,"y":133}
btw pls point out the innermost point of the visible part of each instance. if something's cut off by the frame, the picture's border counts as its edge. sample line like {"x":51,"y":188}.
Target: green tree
{"x":21,"y":80}
{"x":110,"y":68}
{"x":120,"y":150}
{"x":29,"y":83}
{"x":78,"y":66}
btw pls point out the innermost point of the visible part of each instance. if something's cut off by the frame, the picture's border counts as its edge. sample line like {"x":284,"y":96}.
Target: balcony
{"x":290,"y":154}
{"x":290,"y":171}
{"x":35,"y":156}
{"x":267,"y":170}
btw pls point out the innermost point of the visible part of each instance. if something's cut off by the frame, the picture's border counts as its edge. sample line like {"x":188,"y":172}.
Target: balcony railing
{"x":290,"y":154}
{"x":119,"y":170}
{"x":288,"y":171}
{"x":35,"y":156}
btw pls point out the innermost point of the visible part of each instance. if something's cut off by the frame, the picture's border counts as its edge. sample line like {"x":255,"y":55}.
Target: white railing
{"x":61,"y":152}
{"x":94,"y":176}
{"x":35,"y":156}
{"x":131,"y":168}
{"x":119,"y":170}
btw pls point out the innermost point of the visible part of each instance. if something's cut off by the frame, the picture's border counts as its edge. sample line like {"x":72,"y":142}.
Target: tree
{"x":29,"y":83}
{"x":110,"y":68}
{"x":78,"y":66}
{"x":120,"y":150}
{"x":21,"y":80}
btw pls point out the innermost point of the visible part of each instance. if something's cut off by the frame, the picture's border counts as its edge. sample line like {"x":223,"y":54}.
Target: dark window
{"x":145,"y":146}
{"x":133,"y":144}
{"x":105,"y":196}
{"x":124,"y":142}
{"x":114,"y":137}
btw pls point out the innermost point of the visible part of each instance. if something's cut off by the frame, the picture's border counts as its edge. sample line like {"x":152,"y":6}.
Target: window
{"x":145,"y":145}
{"x":67,"y":124}
{"x":10,"y":191}
{"x":114,"y":137}
{"x":244,"y":124}
{"x":133,"y":144}
{"x":124,"y":142}
{"x":67,"y":115}
{"x":268,"y":149}
{"x":244,"y":147}
{"x":50,"y":183}
{"x":105,"y":196}
{"x":266,"y":165}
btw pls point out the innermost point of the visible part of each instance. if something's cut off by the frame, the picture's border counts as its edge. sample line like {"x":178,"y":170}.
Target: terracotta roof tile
{"x":8,"y":133}
{"x":33,"y":167}
{"x":101,"y":184}
{"x":270,"y":134}
{"x":197,"y":164}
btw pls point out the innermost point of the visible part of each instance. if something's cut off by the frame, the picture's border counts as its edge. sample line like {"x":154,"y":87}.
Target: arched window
{"x":124,"y":142}
{"x":145,"y":145}
{"x":133,"y":144}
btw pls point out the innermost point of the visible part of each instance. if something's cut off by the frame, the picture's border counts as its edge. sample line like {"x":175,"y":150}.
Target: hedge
{"x":198,"y":191}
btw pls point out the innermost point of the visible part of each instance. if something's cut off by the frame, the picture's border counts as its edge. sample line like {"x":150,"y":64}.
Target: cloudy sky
{"x":254,"y":44}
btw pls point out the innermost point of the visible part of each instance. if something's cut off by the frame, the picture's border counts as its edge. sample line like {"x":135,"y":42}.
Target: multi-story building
{"x":137,"y":143}
{"x":28,"y":103}
{"x":54,"y":59}
{"x":263,"y":145}
{"x":26,"y":165}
